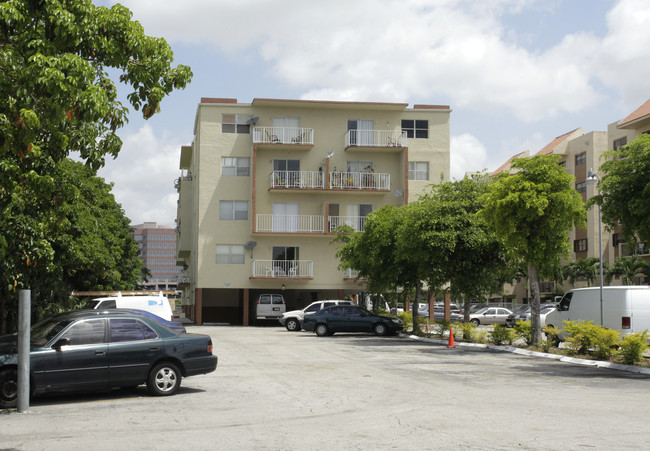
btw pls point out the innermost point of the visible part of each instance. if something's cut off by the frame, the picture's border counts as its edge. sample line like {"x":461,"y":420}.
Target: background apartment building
{"x":264,"y":184}
{"x":157,"y":246}
{"x":580,"y":152}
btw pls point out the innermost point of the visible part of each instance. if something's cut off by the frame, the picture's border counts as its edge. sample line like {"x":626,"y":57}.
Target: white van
{"x":158,"y":305}
{"x":270,"y":306}
{"x":625,"y":308}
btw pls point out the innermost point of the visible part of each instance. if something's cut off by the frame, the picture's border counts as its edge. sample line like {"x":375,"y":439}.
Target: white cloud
{"x":467,"y":155}
{"x":144,"y":175}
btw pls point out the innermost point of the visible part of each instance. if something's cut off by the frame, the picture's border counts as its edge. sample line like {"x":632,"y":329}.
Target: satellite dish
{"x":253,"y":120}
{"x":250,"y":244}
{"x":398,"y":193}
{"x":330,"y":154}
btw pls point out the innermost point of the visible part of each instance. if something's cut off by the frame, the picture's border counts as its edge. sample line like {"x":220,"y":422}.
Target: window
{"x":235,"y":123}
{"x":581,"y":158}
{"x":418,"y":170}
{"x":233,"y":210}
{"x":580,"y":245}
{"x":361,"y":132}
{"x":235,"y":167}
{"x":86,"y":332}
{"x":618,"y":143}
{"x":581,"y":187}
{"x":130,"y":330}
{"x":617,"y":239}
{"x":415,"y":128}
{"x":230,"y":254}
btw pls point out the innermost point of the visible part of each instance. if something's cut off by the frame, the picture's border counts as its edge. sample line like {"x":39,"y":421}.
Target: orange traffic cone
{"x":426,"y":328}
{"x":451,"y":338}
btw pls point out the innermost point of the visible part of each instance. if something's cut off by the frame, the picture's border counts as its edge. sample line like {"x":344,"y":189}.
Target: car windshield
{"x":44,"y":331}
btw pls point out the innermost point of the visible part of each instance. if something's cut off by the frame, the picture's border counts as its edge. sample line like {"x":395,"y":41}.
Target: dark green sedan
{"x":80,"y":351}
{"x":347,"y":318}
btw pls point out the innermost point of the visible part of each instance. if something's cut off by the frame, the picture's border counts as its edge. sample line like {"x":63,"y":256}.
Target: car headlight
{"x":398,"y":321}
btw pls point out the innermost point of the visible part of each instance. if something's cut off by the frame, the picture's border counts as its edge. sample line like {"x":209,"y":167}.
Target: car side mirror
{"x":61,"y":342}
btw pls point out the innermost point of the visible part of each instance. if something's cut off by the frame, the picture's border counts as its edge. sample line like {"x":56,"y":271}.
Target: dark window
{"x":565,"y":302}
{"x":313,"y":308}
{"x":327,"y":304}
{"x":130,"y":330}
{"x":86,"y":332}
{"x":106,"y":304}
{"x":277,"y":299}
{"x":235,"y":123}
{"x":416,"y":128}
{"x":581,"y":158}
{"x":266,"y":299}
{"x":580,"y":245}
{"x":581,"y":187}
{"x":352,"y":311}
{"x":618,"y":143}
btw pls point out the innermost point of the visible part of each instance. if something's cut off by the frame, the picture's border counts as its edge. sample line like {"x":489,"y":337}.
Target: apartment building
{"x":157,"y":245}
{"x":579,"y":153}
{"x":264,"y":184}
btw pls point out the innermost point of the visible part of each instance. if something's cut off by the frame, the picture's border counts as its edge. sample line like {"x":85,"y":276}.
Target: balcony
{"x":297,"y":179}
{"x":356,"y":222}
{"x":283,"y":135}
{"x":290,"y":223}
{"x":366,"y":181}
{"x":375,"y":138}
{"x":283,"y":269}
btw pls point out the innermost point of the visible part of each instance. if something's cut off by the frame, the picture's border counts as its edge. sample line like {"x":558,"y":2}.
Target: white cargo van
{"x":156,"y":304}
{"x":625,"y":308}
{"x":270,"y":306}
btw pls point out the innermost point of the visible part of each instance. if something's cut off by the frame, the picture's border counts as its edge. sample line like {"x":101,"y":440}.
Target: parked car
{"x":349,"y":318}
{"x":270,"y":306}
{"x":439,"y":313}
{"x":522,"y":313}
{"x":490,"y":315}
{"x":88,"y":351}
{"x":293,"y":320}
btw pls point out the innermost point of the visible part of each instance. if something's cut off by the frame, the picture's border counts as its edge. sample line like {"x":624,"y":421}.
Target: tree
{"x":625,"y":190}
{"x":584,"y":269}
{"x":531,"y":210}
{"x":628,"y":267}
{"x":474,"y":259}
{"x":56,"y":96}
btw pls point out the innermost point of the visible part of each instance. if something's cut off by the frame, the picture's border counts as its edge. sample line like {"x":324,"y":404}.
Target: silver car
{"x":490,"y":315}
{"x":293,"y":320}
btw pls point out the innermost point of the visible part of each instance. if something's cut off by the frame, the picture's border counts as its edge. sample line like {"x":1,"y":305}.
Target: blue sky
{"x":516,"y":73}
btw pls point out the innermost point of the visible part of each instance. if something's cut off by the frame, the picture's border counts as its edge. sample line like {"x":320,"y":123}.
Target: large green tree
{"x":627,"y":268}
{"x":532,"y":208}
{"x":625,"y":189}
{"x":56,"y":97}
{"x":583,"y":269}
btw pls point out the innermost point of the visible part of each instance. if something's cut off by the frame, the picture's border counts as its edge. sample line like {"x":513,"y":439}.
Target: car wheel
{"x":292,"y":325}
{"x":475,"y":322}
{"x":8,"y":388}
{"x":164,"y":379}
{"x":380,"y":329}
{"x":321,"y":330}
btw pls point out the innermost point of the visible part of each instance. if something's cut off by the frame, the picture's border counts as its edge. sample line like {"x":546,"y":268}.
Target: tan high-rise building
{"x":264,"y":184}
{"x":157,"y":245}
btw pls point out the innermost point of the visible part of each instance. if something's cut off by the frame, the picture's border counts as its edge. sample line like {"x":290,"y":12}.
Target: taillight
{"x":625,"y":322}
{"x":210,"y":348}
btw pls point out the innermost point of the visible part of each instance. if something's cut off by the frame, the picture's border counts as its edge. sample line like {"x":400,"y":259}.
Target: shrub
{"x":407,"y":318}
{"x":590,"y":339}
{"x":633,"y":346}
{"x":501,"y":334}
{"x":523,"y":330}
{"x":440,"y":327}
{"x":468,"y":330}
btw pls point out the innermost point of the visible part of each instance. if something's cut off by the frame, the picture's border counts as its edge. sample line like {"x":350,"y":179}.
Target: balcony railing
{"x":375,"y":138}
{"x":360,"y":180}
{"x":351,"y":273}
{"x":283,"y":135}
{"x":297,"y":179}
{"x":283,"y":269}
{"x":290,"y":223}
{"x":356,"y":222}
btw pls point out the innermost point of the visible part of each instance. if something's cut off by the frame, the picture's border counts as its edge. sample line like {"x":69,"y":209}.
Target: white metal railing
{"x":360,"y":180}
{"x":376,"y":138}
{"x":351,"y":273}
{"x":356,"y":222}
{"x":297,"y":179}
{"x":283,"y":268}
{"x":290,"y":223}
{"x":283,"y":135}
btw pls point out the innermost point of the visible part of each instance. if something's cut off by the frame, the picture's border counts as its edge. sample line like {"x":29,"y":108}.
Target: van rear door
{"x":270,"y":306}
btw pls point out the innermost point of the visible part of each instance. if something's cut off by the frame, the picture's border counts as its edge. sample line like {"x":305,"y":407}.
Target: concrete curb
{"x":561,"y":358}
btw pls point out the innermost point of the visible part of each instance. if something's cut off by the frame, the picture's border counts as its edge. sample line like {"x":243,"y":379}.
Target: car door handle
{"x":99,"y":352}
{"x":154,"y":348}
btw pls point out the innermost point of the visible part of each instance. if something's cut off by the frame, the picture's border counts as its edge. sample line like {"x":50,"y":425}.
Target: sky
{"x":516,"y":73}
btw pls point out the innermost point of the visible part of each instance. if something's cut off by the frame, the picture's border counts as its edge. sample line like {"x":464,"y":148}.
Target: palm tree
{"x":628,"y":267}
{"x":585,"y":269}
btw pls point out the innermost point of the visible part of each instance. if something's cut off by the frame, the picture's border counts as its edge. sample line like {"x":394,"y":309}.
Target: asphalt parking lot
{"x":279,"y":390}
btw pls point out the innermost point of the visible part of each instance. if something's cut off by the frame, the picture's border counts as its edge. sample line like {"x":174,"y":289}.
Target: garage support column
{"x":198,"y":306}
{"x":246,"y":302}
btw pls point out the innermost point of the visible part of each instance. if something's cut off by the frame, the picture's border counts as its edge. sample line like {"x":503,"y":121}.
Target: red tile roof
{"x":505,"y":165}
{"x":547,"y":149}
{"x":643,"y":110}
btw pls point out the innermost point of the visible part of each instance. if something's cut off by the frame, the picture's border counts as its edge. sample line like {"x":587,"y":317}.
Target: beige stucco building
{"x":265,"y":183}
